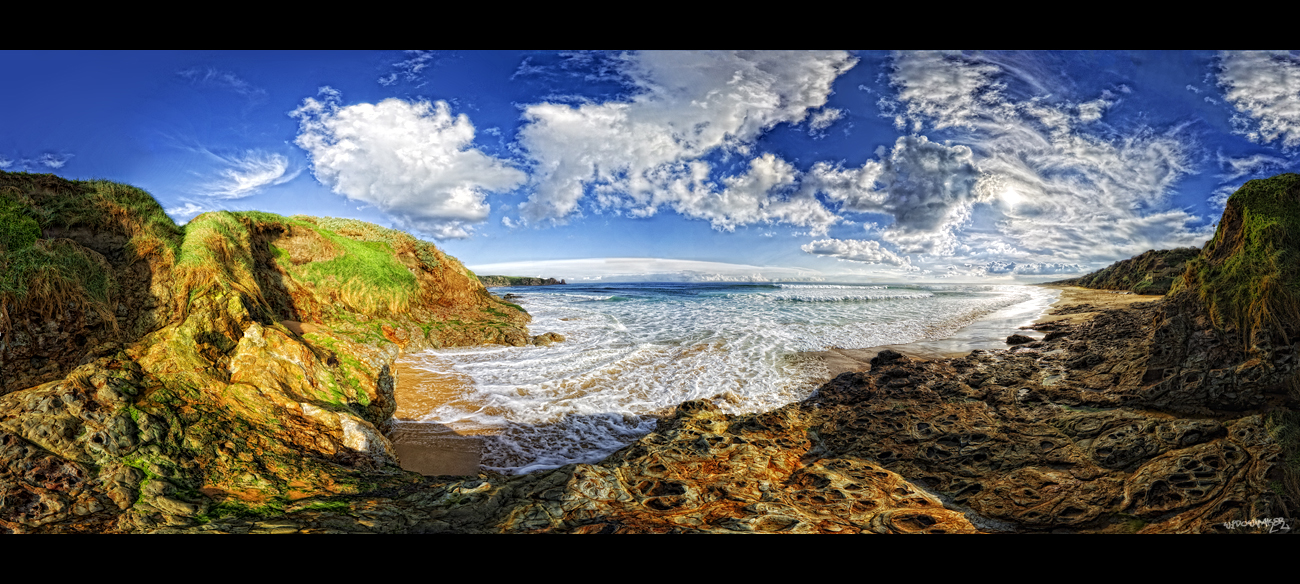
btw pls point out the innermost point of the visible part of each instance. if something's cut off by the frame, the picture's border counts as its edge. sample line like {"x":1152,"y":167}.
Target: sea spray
{"x":635,"y":351}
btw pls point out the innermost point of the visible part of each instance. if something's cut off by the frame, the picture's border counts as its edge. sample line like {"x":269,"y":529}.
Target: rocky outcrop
{"x":501,"y":281}
{"x":232,"y":367}
{"x":1152,"y":272}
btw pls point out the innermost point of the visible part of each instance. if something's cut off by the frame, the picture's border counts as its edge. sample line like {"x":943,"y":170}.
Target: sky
{"x":970,"y":166}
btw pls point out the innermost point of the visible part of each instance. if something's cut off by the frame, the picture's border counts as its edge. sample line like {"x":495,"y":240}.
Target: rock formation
{"x":155,"y":376}
{"x":234,"y":376}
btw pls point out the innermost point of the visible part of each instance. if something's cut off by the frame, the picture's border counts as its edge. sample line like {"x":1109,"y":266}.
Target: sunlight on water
{"x":635,"y":351}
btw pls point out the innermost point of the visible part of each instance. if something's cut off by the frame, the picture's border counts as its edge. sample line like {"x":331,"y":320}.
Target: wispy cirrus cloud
{"x":213,"y":77}
{"x":1264,"y":87}
{"x":409,"y":69}
{"x":247,"y":173}
{"x":412,"y":160}
{"x":53,"y":160}
{"x":1239,"y":166}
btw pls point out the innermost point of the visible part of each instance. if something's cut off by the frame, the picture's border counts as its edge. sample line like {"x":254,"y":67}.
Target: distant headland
{"x":497,"y":281}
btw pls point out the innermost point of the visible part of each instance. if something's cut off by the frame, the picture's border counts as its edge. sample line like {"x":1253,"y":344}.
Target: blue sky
{"x":875,"y":166}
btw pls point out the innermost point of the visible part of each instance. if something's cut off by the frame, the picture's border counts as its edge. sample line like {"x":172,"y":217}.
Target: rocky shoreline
{"x":1056,"y":435}
{"x":238,"y":376}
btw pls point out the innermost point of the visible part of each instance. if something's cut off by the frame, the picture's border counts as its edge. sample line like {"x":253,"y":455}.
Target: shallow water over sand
{"x":634,"y":351}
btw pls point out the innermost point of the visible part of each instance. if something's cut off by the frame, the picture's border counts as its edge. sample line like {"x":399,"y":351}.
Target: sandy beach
{"x":990,"y":336}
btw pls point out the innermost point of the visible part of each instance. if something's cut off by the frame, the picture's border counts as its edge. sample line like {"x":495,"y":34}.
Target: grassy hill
{"x":153,"y":374}
{"x":1152,"y":272}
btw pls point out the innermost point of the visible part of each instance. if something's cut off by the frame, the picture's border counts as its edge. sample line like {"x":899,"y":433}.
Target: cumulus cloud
{"x":5,"y":162}
{"x":762,"y":193}
{"x":1050,"y":187}
{"x":1264,"y":87}
{"x":645,"y":152}
{"x":927,"y":187}
{"x":414,"y":161}
{"x":857,"y":250}
{"x":823,"y":119}
{"x":249,"y":172}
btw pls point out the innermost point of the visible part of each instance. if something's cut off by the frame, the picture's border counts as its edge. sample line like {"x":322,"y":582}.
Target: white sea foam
{"x":625,"y":362}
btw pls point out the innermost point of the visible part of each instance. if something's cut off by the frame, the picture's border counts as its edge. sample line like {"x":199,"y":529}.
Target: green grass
{"x":46,"y":273}
{"x":1248,"y":275}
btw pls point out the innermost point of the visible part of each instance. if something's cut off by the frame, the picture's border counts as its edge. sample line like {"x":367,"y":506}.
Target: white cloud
{"x":211,"y":76}
{"x":414,"y":161}
{"x":645,"y":152}
{"x":410,"y":67}
{"x":5,"y":162}
{"x":1219,"y":198}
{"x":645,"y":269}
{"x":248,"y":173}
{"x":54,"y":160}
{"x":1265,"y":88}
{"x":946,"y":89}
{"x":186,"y":212}
{"x":1031,"y":269}
{"x":927,"y":187}
{"x":823,"y":119}
{"x":857,"y":250}
{"x":764,"y":193}
{"x":1246,"y":165}
{"x":1048,"y":187}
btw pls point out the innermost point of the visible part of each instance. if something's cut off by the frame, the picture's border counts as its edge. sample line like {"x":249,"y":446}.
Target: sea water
{"x":634,"y":351}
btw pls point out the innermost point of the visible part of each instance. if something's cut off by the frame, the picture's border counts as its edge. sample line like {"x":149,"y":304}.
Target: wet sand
{"x":988,"y":335}
{"x":427,"y":448}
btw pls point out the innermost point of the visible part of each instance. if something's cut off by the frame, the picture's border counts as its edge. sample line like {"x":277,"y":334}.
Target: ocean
{"x":634,"y":351}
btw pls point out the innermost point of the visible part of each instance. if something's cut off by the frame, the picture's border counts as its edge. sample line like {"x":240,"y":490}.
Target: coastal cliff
{"x":227,"y":377}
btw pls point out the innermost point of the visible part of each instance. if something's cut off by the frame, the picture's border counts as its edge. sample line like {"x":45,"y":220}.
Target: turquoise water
{"x":635,"y":351}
